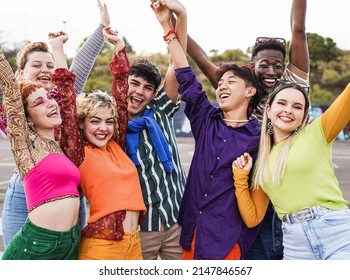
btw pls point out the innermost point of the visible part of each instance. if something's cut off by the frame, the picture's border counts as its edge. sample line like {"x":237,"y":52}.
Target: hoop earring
{"x":297,"y":130}
{"x":269,"y":127}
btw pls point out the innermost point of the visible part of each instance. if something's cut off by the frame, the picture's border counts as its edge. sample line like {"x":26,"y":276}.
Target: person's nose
{"x":44,"y":69}
{"x":102,"y":127}
{"x":270,"y":70}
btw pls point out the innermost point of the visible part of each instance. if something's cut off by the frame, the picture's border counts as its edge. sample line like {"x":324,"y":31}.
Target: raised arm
{"x":208,"y":68}
{"x":3,"y":119}
{"x":299,"y":51}
{"x":337,"y":115}
{"x":164,"y":15}
{"x":252,"y":204}
{"x":120,"y":68}
{"x":18,"y":130}
{"x":86,"y":55}
{"x":176,"y":51}
{"x":70,"y":140}
{"x":56,"y":41}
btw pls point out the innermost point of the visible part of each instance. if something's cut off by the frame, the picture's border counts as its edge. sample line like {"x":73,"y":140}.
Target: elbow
{"x":298,"y":29}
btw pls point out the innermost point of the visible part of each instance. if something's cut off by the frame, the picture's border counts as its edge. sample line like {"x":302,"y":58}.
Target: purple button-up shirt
{"x":209,"y":203}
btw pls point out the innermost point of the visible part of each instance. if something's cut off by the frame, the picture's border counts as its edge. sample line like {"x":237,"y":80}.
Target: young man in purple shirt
{"x":212,"y":227}
{"x":268,"y":59}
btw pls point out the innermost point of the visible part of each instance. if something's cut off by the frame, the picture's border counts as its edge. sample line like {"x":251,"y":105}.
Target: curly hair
{"x":270,"y":45}
{"x":89,"y":103}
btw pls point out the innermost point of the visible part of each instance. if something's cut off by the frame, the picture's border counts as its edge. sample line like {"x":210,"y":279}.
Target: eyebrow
{"x":233,"y":76}
{"x":94,"y":117}
{"x":282,"y":99}
{"x":148,"y":84}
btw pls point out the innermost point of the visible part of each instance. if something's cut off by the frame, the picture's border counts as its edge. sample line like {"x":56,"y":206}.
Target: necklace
{"x":236,"y":121}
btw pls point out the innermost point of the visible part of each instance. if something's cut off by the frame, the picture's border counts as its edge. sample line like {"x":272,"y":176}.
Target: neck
{"x":48,"y":134}
{"x":280,"y":137}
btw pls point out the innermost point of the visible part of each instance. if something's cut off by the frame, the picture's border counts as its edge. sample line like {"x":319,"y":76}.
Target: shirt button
{"x":34,"y":242}
{"x":200,"y":212}
{"x":205,"y":194}
{"x":217,"y":158}
{"x":225,"y":140}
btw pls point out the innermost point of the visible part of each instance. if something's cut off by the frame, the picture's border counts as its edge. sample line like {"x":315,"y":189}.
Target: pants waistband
{"x":29,"y":227}
{"x":306,"y":214}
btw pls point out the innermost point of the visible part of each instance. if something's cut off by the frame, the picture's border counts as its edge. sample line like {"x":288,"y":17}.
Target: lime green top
{"x":309,"y":178}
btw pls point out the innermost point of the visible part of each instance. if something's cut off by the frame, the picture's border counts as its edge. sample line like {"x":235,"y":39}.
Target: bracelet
{"x":169,"y":40}
{"x":171,"y":31}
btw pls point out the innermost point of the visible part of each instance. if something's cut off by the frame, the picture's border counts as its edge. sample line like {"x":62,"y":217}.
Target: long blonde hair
{"x":267,"y":142}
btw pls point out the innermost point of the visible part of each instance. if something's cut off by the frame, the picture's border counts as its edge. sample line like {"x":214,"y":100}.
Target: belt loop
{"x":287,"y":219}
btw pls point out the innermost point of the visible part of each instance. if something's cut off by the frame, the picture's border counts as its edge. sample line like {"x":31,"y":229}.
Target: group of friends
{"x":255,"y":188}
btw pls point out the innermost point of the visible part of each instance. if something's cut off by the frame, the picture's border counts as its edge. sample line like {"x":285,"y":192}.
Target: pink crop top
{"x":54,"y":176}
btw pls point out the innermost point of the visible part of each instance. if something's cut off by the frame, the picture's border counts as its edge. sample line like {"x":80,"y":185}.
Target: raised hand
{"x":174,"y":6}
{"x":161,"y":11}
{"x":112,"y":37}
{"x":104,"y":14}
{"x":57,"y":38}
{"x":245,"y":161}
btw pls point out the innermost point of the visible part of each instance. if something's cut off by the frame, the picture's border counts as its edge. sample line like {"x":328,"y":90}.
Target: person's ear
{"x":268,"y":109}
{"x":19,"y":74}
{"x":251,"y":92}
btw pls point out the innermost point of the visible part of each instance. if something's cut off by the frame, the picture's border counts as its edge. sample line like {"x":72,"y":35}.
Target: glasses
{"x":262,"y":40}
{"x":289,"y":82}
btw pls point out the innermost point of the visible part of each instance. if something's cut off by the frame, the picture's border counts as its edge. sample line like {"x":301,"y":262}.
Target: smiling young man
{"x":151,"y":145}
{"x":269,"y":60}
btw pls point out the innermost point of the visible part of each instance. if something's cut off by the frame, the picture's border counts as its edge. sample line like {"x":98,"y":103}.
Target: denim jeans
{"x":14,"y":212}
{"x":268,"y":244}
{"x":325,"y":237}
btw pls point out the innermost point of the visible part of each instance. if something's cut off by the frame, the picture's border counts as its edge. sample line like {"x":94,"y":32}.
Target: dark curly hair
{"x":268,"y":46}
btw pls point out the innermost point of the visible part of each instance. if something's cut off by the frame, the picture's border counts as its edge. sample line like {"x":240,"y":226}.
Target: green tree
{"x":320,"y":96}
{"x":322,"y":49}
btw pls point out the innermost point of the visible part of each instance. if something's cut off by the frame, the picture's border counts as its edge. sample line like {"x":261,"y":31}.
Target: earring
{"x":269,"y":127}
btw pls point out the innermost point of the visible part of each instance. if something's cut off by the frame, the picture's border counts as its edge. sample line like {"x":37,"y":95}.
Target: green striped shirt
{"x":162,"y":192}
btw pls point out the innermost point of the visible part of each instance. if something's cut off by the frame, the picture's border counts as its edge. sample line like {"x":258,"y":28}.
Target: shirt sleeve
{"x":198,"y":107}
{"x":3,"y":119}
{"x":18,"y":130}
{"x":337,"y":115}
{"x":85,"y":58}
{"x":120,"y":69}
{"x":252,"y":204}
{"x":70,"y":141}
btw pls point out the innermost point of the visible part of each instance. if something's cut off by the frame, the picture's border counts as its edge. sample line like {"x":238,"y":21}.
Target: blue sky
{"x":219,"y":24}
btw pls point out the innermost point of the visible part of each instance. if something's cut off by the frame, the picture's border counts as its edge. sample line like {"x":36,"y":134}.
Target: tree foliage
{"x":322,"y":50}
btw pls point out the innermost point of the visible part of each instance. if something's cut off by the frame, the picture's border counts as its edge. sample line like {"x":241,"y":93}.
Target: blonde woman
{"x":109,"y":178}
{"x":294,"y":169}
